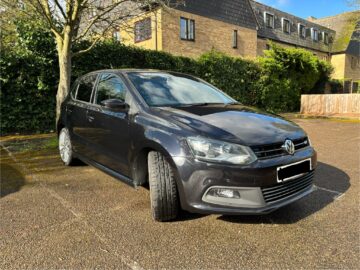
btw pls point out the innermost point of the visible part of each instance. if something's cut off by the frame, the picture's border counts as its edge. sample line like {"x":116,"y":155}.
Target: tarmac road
{"x":79,"y":218}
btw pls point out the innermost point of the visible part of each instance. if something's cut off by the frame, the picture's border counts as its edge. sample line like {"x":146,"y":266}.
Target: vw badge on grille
{"x":289,"y":147}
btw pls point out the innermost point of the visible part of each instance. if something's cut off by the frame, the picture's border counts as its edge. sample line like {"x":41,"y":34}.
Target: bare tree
{"x":73,"y":20}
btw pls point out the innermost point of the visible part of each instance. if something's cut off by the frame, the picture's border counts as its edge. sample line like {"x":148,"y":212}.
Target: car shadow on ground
{"x":11,"y":179}
{"x":331,"y":183}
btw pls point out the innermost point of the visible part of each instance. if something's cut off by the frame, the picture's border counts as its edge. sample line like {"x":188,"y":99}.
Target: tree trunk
{"x":64,"y":54}
{"x":64,"y":82}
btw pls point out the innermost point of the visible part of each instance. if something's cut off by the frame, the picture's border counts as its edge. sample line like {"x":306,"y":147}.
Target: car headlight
{"x":218,"y":151}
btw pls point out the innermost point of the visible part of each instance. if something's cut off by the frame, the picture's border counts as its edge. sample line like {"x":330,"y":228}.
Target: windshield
{"x":165,"y":89}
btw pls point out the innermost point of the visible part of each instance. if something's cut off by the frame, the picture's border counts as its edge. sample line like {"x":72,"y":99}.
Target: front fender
{"x":174,"y":148}
{"x":167,"y":143}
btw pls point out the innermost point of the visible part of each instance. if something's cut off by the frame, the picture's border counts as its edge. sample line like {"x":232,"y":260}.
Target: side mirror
{"x":115,"y":104}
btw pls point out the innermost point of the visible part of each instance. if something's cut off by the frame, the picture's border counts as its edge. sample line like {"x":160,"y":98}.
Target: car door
{"x":110,"y":128}
{"x":77,"y":110}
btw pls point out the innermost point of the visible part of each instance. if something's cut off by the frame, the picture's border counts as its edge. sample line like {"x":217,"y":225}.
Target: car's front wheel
{"x":163,"y":191}
{"x":65,"y":147}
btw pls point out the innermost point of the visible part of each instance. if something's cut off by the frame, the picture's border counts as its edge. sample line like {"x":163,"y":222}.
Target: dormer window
{"x":326,"y":38}
{"x":315,"y":34}
{"x":301,"y":30}
{"x":285,"y":25}
{"x":269,"y":20}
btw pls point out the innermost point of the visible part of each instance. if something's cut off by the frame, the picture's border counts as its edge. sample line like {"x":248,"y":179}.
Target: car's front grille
{"x":286,"y":189}
{"x":275,"y":150}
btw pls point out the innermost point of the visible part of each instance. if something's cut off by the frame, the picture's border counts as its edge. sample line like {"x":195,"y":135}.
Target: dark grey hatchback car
{"x":196,"y":147}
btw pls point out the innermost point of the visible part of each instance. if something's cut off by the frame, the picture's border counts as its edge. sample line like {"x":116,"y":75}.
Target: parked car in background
{"x":198,"y":148}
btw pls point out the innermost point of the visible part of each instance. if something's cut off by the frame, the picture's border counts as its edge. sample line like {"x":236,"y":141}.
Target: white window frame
{"x":299,"y":30}
{"x":313,"y":34}
{"x":117,"y":35}
{"x":282,"y":25}
{"x":273,"y":22}
{"x":189,"y":29}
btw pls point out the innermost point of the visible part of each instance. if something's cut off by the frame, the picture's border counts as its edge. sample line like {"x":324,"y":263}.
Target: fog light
{"x":224,"y":193}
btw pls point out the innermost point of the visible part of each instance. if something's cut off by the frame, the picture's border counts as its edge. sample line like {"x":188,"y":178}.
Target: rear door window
{"x":110,"y":86}
{"x":86,"y":87}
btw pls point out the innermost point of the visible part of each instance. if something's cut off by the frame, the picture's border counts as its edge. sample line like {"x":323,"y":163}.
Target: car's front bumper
{"x":197,"y":178}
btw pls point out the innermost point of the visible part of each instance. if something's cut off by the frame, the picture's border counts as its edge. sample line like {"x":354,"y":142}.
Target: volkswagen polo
{"x":197,"y":148}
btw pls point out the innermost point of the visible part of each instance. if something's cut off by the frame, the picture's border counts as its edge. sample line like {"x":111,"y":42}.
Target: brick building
{"x":195,"y":28}
{"x":245,"y":28}
{"x":288,"y":30}
{"x":345,"y":53}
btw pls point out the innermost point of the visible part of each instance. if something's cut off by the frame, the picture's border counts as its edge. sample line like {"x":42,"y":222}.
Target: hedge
{"x":29,"y":83}
{"x":29,"y":76}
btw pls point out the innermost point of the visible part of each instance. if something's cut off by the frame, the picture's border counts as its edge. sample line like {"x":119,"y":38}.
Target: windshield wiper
{"x":198,"y":104}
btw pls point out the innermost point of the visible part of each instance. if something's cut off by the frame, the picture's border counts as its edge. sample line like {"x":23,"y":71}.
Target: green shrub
{"x":29,"y":75}
{"x":336,"y":86}
{"x":237,"y":77}
{"x":288,"y":73}
{"x":28,"y":90}
{"x":112,"y":54}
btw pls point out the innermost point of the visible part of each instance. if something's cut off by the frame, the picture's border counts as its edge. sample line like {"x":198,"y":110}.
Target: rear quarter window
{"x":86,"y":86}
{"x":73,"y":89}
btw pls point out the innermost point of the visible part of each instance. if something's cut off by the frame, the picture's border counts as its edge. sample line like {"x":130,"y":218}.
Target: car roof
{"x":129,"y":70}
{"x":126,"y":70}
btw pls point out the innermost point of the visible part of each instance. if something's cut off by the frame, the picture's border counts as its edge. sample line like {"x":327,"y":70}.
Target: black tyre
{"x":163,"y":192}
{"x":65,"y":148}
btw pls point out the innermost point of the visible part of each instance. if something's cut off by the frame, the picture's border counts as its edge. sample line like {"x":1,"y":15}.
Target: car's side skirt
{"x":106,"y":170}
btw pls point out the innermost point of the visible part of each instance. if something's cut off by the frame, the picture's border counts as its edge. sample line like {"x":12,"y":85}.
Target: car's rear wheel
{"x":65,"y":147}
{"x":163,"y":191}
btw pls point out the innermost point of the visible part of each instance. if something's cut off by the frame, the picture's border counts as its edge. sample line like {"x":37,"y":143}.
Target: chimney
{"x":311,"y":18}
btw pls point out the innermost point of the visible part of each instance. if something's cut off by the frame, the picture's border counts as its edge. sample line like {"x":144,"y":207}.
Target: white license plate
{"x":293,"y":170}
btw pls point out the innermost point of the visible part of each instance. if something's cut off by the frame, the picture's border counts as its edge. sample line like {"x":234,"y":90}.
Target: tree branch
{"x":98,"y":17}
{"x":46,"y":13}
{"x":95,"y":41}
{"x":57,"y":3}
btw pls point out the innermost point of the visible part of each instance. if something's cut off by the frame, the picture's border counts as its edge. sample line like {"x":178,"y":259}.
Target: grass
{"x":21,"y":144}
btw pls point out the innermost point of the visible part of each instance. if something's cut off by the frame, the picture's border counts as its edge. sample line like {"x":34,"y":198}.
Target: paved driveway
{"x":78,"y":217}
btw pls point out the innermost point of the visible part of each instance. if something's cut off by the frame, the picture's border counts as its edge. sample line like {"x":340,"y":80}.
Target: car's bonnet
{"x":235,"y":123}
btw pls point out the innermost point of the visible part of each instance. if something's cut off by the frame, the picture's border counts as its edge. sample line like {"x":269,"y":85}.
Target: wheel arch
{"x":139,"y":163}
{"x":59,"y":126}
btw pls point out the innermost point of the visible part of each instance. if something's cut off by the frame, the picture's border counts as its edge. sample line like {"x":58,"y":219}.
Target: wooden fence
{"x":331,"y":104}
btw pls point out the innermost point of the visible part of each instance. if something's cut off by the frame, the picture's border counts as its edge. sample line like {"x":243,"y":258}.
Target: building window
{"x":269,"y":20}
{"x":187,"y":29}
{"x":354,"y":62}
{"x":314,"y":34}
{"x":286,"y":25}
{"x":355,"y":87}
{"x":302,"y":30}
{"x":326,"y":38}
{"x":116,"y":35}
{"x":143,"y":30}
{"x":235,"y":39}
